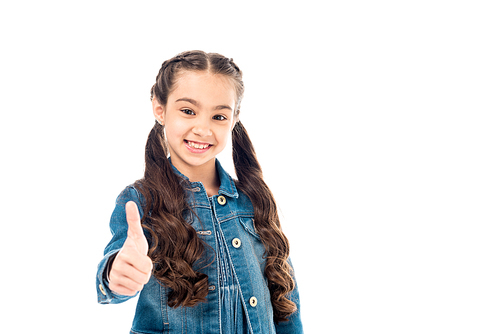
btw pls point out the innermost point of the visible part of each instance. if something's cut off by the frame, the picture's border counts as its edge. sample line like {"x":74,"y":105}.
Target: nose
{"x":202,"y":127}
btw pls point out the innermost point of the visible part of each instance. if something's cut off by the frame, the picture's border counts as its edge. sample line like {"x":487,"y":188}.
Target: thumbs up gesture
{"x":131,"y":268}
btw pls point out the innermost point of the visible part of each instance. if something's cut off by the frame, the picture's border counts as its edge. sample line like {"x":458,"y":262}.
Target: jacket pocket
{"x":248,"y":224}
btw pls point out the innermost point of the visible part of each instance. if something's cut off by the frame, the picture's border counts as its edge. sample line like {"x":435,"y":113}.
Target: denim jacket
{"x":232,"y":213}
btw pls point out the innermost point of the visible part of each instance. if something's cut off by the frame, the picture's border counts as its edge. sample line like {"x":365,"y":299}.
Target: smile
{"x":196,"y":147}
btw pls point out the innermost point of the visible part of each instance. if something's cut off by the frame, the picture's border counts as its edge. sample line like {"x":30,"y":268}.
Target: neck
{"x":206,"y":174}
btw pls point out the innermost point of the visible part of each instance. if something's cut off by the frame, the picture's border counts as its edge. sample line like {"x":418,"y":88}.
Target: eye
{"x":187,"y":111}
{"x":219,"y":117}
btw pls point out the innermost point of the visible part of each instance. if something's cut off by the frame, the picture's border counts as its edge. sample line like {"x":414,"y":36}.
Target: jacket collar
{"x":227,"y":186}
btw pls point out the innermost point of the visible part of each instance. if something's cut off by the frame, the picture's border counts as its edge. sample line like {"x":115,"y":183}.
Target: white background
{"x":376,"y":123}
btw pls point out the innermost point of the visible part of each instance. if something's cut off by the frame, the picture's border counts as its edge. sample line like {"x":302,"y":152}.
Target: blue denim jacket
{"x":229,"y":216}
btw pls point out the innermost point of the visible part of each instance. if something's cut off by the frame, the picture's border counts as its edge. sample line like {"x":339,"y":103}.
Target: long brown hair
{"x":175,"y":246}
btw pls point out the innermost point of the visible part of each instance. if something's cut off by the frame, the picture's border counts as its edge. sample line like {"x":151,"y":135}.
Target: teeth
{"x":198,"y":146}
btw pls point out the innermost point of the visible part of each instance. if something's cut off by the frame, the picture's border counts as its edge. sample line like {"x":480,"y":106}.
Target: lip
{"x":197,"y":150}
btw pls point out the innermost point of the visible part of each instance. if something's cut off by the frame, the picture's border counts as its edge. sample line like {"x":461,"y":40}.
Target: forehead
{"x":204,"y":87}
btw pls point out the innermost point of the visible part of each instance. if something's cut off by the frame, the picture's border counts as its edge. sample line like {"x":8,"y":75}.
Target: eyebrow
{"x":194,"y":102}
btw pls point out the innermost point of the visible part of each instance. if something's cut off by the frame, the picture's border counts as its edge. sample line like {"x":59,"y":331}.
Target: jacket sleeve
{"x":119,"y":227}
{"x":294,"y":323}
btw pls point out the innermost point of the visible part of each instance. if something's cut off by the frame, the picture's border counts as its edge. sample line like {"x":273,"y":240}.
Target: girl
{"x":214,"y":246}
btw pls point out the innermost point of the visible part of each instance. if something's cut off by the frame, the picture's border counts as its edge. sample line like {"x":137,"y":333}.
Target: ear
{"x":158,"y":110}
{"x":235,"y":120}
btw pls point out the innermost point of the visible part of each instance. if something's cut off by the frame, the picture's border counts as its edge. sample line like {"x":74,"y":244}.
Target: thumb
{"x":134,"y":221}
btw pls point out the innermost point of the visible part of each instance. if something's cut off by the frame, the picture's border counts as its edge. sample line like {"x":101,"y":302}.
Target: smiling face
{"x":198,"y":119}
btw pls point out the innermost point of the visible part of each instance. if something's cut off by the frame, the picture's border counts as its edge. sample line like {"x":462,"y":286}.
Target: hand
{"x":131,"y":268}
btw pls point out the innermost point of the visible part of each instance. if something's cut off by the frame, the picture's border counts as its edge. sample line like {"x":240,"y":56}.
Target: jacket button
{"x":102,"y":289}
{"x":221,"y":200}
{"x":253,"y":301}
{"x":236,"y":243}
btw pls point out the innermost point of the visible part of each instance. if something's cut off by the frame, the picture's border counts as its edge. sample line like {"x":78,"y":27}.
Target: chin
{"x":197,"y":161}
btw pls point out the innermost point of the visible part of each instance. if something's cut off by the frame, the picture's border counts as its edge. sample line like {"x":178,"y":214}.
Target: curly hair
{"x":175,"y":246}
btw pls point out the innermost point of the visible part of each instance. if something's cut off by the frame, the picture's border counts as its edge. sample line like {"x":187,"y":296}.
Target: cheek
{"x":223,"y":136}
{"x":174,"y":129}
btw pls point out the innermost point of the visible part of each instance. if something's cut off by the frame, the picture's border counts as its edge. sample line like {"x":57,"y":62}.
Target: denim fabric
{"x":238,"y":300}
{"x":233,"y":316}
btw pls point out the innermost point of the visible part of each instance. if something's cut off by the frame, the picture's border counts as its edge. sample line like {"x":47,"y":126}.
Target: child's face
{"x":198,"y":119}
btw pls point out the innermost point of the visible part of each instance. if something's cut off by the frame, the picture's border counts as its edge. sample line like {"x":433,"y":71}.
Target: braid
{"x":175,"y":255}
{"x":250,"y":180}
